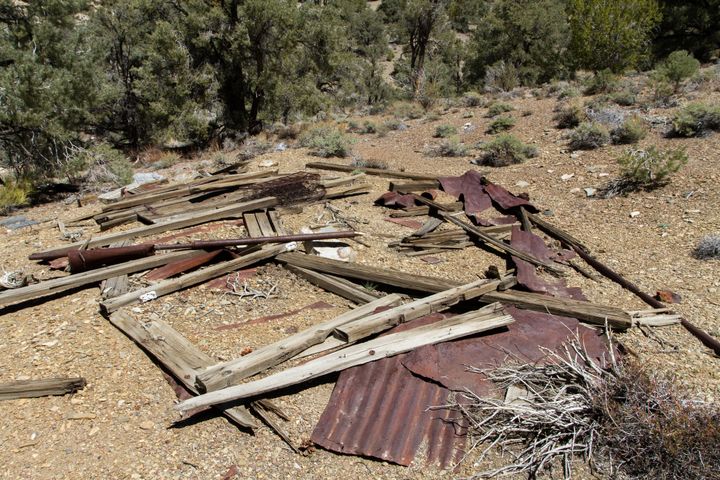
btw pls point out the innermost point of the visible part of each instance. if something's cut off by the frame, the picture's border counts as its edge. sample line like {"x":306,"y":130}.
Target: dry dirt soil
{"x":122,"y":424}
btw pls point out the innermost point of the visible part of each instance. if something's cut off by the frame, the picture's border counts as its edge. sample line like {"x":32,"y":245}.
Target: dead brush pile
{"x":622,"y":421}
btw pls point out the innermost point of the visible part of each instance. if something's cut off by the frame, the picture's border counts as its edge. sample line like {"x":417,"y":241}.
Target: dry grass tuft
{"x":619,"y":419}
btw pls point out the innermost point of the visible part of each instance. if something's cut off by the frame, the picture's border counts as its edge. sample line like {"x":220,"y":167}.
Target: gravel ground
{"x":122,"y":424}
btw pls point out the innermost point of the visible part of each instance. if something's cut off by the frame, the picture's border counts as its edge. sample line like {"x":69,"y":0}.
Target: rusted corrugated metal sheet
{"x":379,"y":409}
{"x":527,"y":275}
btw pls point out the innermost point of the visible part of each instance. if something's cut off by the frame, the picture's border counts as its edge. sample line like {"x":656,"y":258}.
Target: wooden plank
{"x":277,"y":222}
{"x":418,"y":283}
{"x":177,"y":354}
{"x":114,"y":286}
{"x":40,"y":388}
{"x":339,"y":192}
{"x":231,"y":372}
{"x":370,"y":171}
{"x":425,"y":210}
{"x":438,"y":302}
{"x":172,"y":285}
{"x":338,"y":286}
{"x":175,"y":223}
{"x":183,"y":190}
{"x":252,"y":226}
{"x":500,"y":245}
{"x":585,"y":311}
{"x":379,"y":348}
{"x":266,"y":229}
{"x":409,"y":187}
{"x":337,"y":182}
{"x":57,"y":285}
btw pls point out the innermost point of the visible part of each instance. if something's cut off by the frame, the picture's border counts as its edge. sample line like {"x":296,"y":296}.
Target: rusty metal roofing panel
{"x":380,"y":409}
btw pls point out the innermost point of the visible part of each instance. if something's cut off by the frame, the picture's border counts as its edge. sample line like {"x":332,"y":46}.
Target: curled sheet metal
{"x":527,"y":275}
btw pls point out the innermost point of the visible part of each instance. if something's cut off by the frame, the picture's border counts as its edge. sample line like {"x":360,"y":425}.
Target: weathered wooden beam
{"x":174,"y":223}
{"x":370,"y":171}
{"x":176,"y":353}
{"x":229,"y":373}
{"x":585,"y":311}
{"x":194,"y":278}
{"x":40,"y":388}
{"x":381,"y":321}
{"x":410,"y":187}
{"x":404,"y":280}
{"x":379,"y":348}
{"x":500,"y":245}
{"x":336,"y":285}
{"x":57,"y":285}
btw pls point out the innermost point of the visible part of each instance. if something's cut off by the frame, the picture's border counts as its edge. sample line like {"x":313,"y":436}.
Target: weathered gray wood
{"x":199,"y":276}
{"x":175,"y":352}
{"x":277,"y":222}
{"x":184,"y":190}
{"x":370,"y":171}
{"x":337,"y":182}
{"x":500,"y":245}
{"x":419,"y":283}
{"x":174,"y":223}
{"x":438,"y":302}
{"x":339,"y":192}
{"x":586,"y":311}
{"x":251,"y":225}
{"x":336,"y":285}
{"x":57,"y":285}
{"x":264,"y":223}
{"x":229,"y":373}
{"x":115,"y":286}
{"x":376,"y":349}
{"x":40,"y":388}
{"x":409,"y":187}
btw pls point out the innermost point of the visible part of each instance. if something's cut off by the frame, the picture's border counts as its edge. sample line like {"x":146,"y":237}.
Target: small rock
{"x":267,"y":163}
{"x":80,"y":416}
{"x":548,"y":213}
{"x":522,"y":184}
{"x":575,"y":190}
{"x":575,"y":155}
{"x":567,"y":177}
{"x":634,"y":214}
{"x":147,"y":425}
{"x":590,"y":192}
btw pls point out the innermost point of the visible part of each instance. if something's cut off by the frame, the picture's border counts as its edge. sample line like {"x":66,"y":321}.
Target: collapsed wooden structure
{"x":381,"y":325}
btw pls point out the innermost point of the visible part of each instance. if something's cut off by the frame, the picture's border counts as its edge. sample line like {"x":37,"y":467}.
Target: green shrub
{"x":13,"y":193}
{"x":505,"y":150}
{"x":695,"y":119}
{"x":445,"y":131}
{"x":288,"y":132}
{"x":393,"y":124}
{"x":588,"y":136}
{"x":568,"y":92}
{"x":501,"y":76}
{"x":473,"y":99}
{"x":570,"y":115}
{"x":650,"y":168}
{"x":121,"y":171}
{"x":407,"y":111}
{"x":501,"y":124}
{"x":451,"y":147}
{"x":662,"y":91}
{"x":367,"y":127}
{"x":105,"y":164}
{"x":326,"y":141}
{"x":497,"y":108}
{"x":632,"y":130}
{"x":625,"y":98}
{"x":168,"y":159}
{"x":677,"y":67}
{"x":362,"y":163}
{"x":603,"y":81}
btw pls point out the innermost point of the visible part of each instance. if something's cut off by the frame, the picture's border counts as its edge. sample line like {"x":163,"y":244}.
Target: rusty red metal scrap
{"x":381,"y":409}
{"x":527,"y":275}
